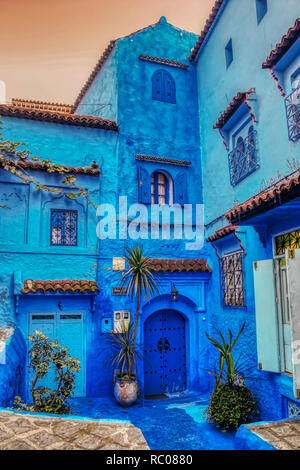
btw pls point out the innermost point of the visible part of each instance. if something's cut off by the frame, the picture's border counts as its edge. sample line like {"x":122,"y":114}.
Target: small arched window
{"x":163,"y":87}
{"x":160,"y":188}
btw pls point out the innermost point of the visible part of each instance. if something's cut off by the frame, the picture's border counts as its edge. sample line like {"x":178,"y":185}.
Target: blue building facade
{"x":159,"y":122}
{"x":247,"y":154}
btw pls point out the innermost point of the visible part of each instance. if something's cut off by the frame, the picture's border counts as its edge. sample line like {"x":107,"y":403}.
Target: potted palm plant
{"x":140,"y":283}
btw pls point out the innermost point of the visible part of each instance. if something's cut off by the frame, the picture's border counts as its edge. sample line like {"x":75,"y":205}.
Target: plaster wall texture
{"x":217,"y":85}
{"x":12,"y":368}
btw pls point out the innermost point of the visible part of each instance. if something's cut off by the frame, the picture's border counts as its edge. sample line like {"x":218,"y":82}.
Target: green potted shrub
{"x":140,"y":283}
{"x":44,"y":355}
{"x":231,"y":402}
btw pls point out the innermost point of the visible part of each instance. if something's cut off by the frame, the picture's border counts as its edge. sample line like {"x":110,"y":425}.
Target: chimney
{"x":2,"y":92}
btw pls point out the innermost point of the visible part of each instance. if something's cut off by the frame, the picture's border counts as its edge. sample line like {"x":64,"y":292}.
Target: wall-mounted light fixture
{"x":174,"y":293}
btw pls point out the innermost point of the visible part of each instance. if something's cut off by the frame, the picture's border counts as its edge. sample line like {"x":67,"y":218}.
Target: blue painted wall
{"x":172,"y":131}
{"x":125,"y":82}
{"x":25,"y":249}
{"x":217,"y":85}
{"x":12,"y":367}
{"x":154,"y":128}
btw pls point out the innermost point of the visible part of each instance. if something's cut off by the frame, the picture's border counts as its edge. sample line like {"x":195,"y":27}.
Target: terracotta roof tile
{"x":284,"y":190}
{"x":94,"y":72}
{"x":283,"y":46}
{"x":233,"y":106}
{"x":208,"y":25}
{"x":42,"y":105}
{"x":63,"y":286}
{"x":158,"y":60}
{"x":179,"y":265}
{"x":167,"y":161}
{"x":58,"y":117}
{"x":92,"y":170}
{"x":222,"y":232}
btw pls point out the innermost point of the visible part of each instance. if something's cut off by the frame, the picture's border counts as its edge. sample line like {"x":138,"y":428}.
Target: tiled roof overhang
{"x":63,"y":286}
{"x":158,"y":60}
{"x":94,"y":72}
{"x":167,"y":161}
{"x":208,"y":25}
{"x":92,"y":170}
{"x":283,"y":191}
{"x":179,"y":265}
{"x":283,"y":46}
{"x":222,"y":232}
{"x":237,"y":101}
{"x":42,"y":105}
{"x":58,"y":118}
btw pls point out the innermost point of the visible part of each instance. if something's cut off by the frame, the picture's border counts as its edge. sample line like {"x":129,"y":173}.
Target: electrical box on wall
{"x":121,"y":320}
{"x":106,"y":325}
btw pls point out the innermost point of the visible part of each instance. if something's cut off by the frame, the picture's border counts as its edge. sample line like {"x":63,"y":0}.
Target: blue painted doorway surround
{"x":164,"y":353}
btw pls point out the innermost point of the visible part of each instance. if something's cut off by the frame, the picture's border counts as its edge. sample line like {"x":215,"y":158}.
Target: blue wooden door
{"x":164,"y":353}
{"x":68,"y":329}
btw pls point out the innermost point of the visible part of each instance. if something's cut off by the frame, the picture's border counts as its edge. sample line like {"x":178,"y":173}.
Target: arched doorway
{"x":164,"y":353}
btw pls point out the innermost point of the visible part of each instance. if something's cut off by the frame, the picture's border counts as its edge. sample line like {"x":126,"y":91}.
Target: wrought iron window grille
{"x":64,"y":227}
{"x":243,"y":159}
{"x":287,"y":240}
{"x":232,"y":280}
{"x":292,"y":107}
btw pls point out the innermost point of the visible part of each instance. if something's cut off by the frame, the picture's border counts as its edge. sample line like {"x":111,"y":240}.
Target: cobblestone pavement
{"x":26,"y":432}
{"x":284,"y":435}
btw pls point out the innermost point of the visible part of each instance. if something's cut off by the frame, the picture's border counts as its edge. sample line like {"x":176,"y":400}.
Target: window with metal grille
{"x":243,"y":159}
{"x":159,"y":188}
{"x":232,"y":284}
{"x":163,"y":87}
{"x":292,"y":106}
{"x":64,"y":227}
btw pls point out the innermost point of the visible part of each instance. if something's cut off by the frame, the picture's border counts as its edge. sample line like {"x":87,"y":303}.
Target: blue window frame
{"x":243,"y":159}
{"x":160,"y":189}
{"x":290,"y":408}
{"x":63,"y":227}
{"x":261,"y":9}
{"x":292,"y":106}
{"x":229,"y":53}
{"x":163,"y":87}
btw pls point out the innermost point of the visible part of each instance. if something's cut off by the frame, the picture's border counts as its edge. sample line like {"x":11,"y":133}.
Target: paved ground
{"x":25,"y":432}
{"x":175,"y":423}
{"x":284,"y":435}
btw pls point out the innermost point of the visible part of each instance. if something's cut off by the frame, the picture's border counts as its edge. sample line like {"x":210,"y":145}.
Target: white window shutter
{"x":267,"y":335}
{"x":293,"y":274}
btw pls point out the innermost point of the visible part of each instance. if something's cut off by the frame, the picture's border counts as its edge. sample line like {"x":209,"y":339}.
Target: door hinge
{"x":298,"y":393}
{"x":255,"y":265}
{"x":260,"y":365}
{"x":291,"y":253}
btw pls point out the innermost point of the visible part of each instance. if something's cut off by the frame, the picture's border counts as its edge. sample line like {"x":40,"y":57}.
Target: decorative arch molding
{"x":185,"y":306}
{"x":195,"y":327}
{"x":61,"y":201}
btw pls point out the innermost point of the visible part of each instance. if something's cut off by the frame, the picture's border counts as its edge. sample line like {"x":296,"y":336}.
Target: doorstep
{"x":276,"y":435}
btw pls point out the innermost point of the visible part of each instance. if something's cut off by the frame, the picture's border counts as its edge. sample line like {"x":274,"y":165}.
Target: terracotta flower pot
{"x":126,"y":391}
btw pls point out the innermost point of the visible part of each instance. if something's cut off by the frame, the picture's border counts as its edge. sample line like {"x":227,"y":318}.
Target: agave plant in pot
{"x":140,"y":282}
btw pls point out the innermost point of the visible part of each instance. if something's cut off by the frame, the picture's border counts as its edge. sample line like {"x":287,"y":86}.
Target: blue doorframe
{"x":198,"y":380}
{"x":164,"y":353}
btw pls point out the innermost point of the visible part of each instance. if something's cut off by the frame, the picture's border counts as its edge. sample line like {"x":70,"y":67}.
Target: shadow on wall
{"x":12,"y":365}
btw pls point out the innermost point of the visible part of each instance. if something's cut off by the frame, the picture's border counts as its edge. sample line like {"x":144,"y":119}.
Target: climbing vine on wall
{"x":12,"y":160}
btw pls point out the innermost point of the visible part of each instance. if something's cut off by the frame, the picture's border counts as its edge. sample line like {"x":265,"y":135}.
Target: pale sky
{"x":48,"y":47}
